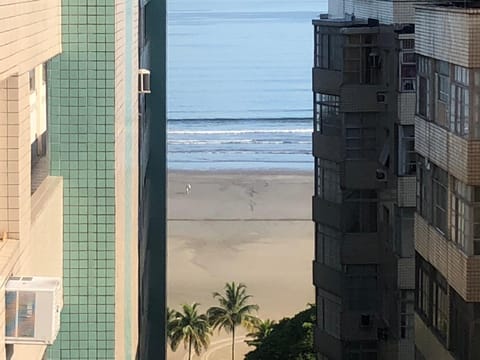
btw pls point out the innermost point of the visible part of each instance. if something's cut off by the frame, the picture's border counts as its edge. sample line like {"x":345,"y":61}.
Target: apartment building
{"x":152,"y":182}
{"x":364,"y":81}
{"x":99,"y":125}
{"x":31,"y":195}
{"x":447,"y":220}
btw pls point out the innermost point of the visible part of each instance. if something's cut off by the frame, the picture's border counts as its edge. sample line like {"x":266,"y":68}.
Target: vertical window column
{"x":326,"y":114}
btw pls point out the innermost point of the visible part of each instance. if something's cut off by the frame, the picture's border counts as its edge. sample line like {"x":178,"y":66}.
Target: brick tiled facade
{"x":460,"y":157}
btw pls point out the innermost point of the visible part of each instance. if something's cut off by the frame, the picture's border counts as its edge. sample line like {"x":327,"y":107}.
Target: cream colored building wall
{"x":448,"y":34}
{"x":30,"y":34}
{"x":387,"y":12}
{"x":15,"y":158}
{"x":126,"y":180}
{"x":33,"y":225}
{"x":40,"y":256}
{"x":44,"y":254}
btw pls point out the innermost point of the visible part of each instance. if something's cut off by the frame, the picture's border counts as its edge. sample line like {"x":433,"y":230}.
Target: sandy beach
{"x":250,"y":227}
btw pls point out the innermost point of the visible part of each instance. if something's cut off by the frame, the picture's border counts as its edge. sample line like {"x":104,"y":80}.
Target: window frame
{"x":440,"y":200}
{"x":407,"y":158}
{"x":330,"y":238}
{"x":326,"y":109}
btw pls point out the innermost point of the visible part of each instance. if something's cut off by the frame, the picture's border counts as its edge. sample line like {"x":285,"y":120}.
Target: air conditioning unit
{"x":365,"y":320}
{"x":381,"y":175}
{"x":381,"y":98}
{"x":32,"y":310}
{"x":144,"y":81}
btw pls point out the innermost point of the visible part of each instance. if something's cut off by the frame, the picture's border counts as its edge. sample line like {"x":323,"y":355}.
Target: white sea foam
{"x":239,"y":132}
{"x":234,"y":142}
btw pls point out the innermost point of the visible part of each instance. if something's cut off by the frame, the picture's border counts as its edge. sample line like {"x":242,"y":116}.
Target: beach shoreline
{"x":251,"y":226}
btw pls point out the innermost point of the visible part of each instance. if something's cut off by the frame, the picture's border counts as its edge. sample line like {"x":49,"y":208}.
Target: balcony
{"x":326,"y":212}
{"x":363,"y":98}
{"x":327,"y":345}
{"x":461,"y":271}
{"x":326,"y":81}
{"x":459,"y":156}
{"x":327,"y":278}
{"x":448,"y":33}
{"x":353,"y":329}
{"x":360,"y":248}
{"x":327,"y":147}
{"x":361,"y":174}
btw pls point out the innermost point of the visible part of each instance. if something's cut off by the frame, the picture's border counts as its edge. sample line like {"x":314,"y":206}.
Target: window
{"x":476,"y":220}
{"x":324,"y":51}
{"x":458,"y":213}
{"x":328,"y":180}
{"x":328,"y":50}
{"x":408,"y":44}
{"x":327,"y":120}
{"x":423,"y":93}
{"x":408,"y":66}
{"x":440,"y":191}
{"x":465,"y":216}
{"x":423,"y":289}
{"x":362,"y":60}
{"x":360,"y":211}
{"x":422,"y":96}
{"x":361,"y":350}
{"x":407,"y":161}
{"x":475,"y":108}
{"x":459,"y":109}
{"x":424,"y":189}
{"x":407,"y":298}
{"x":360,"y":136}
{"x":432,"y":298}
{"x":327,"y":245}
{"x":442,"y":97}
{"x":329,"y":308}
{"x":443,"y":88}
{"x":440,"y":308}
{"x":361,"y":287}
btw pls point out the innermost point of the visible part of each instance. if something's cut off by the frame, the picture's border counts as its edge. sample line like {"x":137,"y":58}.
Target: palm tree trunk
{"x":190,"y":349}
{"x":233,"y":343}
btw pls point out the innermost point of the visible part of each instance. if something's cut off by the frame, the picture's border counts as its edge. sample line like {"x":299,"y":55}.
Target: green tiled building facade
{"x":93,"y":146}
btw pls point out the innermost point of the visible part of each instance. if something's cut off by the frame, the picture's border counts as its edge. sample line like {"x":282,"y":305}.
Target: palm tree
{"x":191,"y":328}
{"x":171,"y":315}
{"x":261,"y":330}
{"x":233,"y":311}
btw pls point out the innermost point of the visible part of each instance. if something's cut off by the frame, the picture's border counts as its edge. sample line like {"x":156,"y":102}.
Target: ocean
{"x":239,"y":84}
